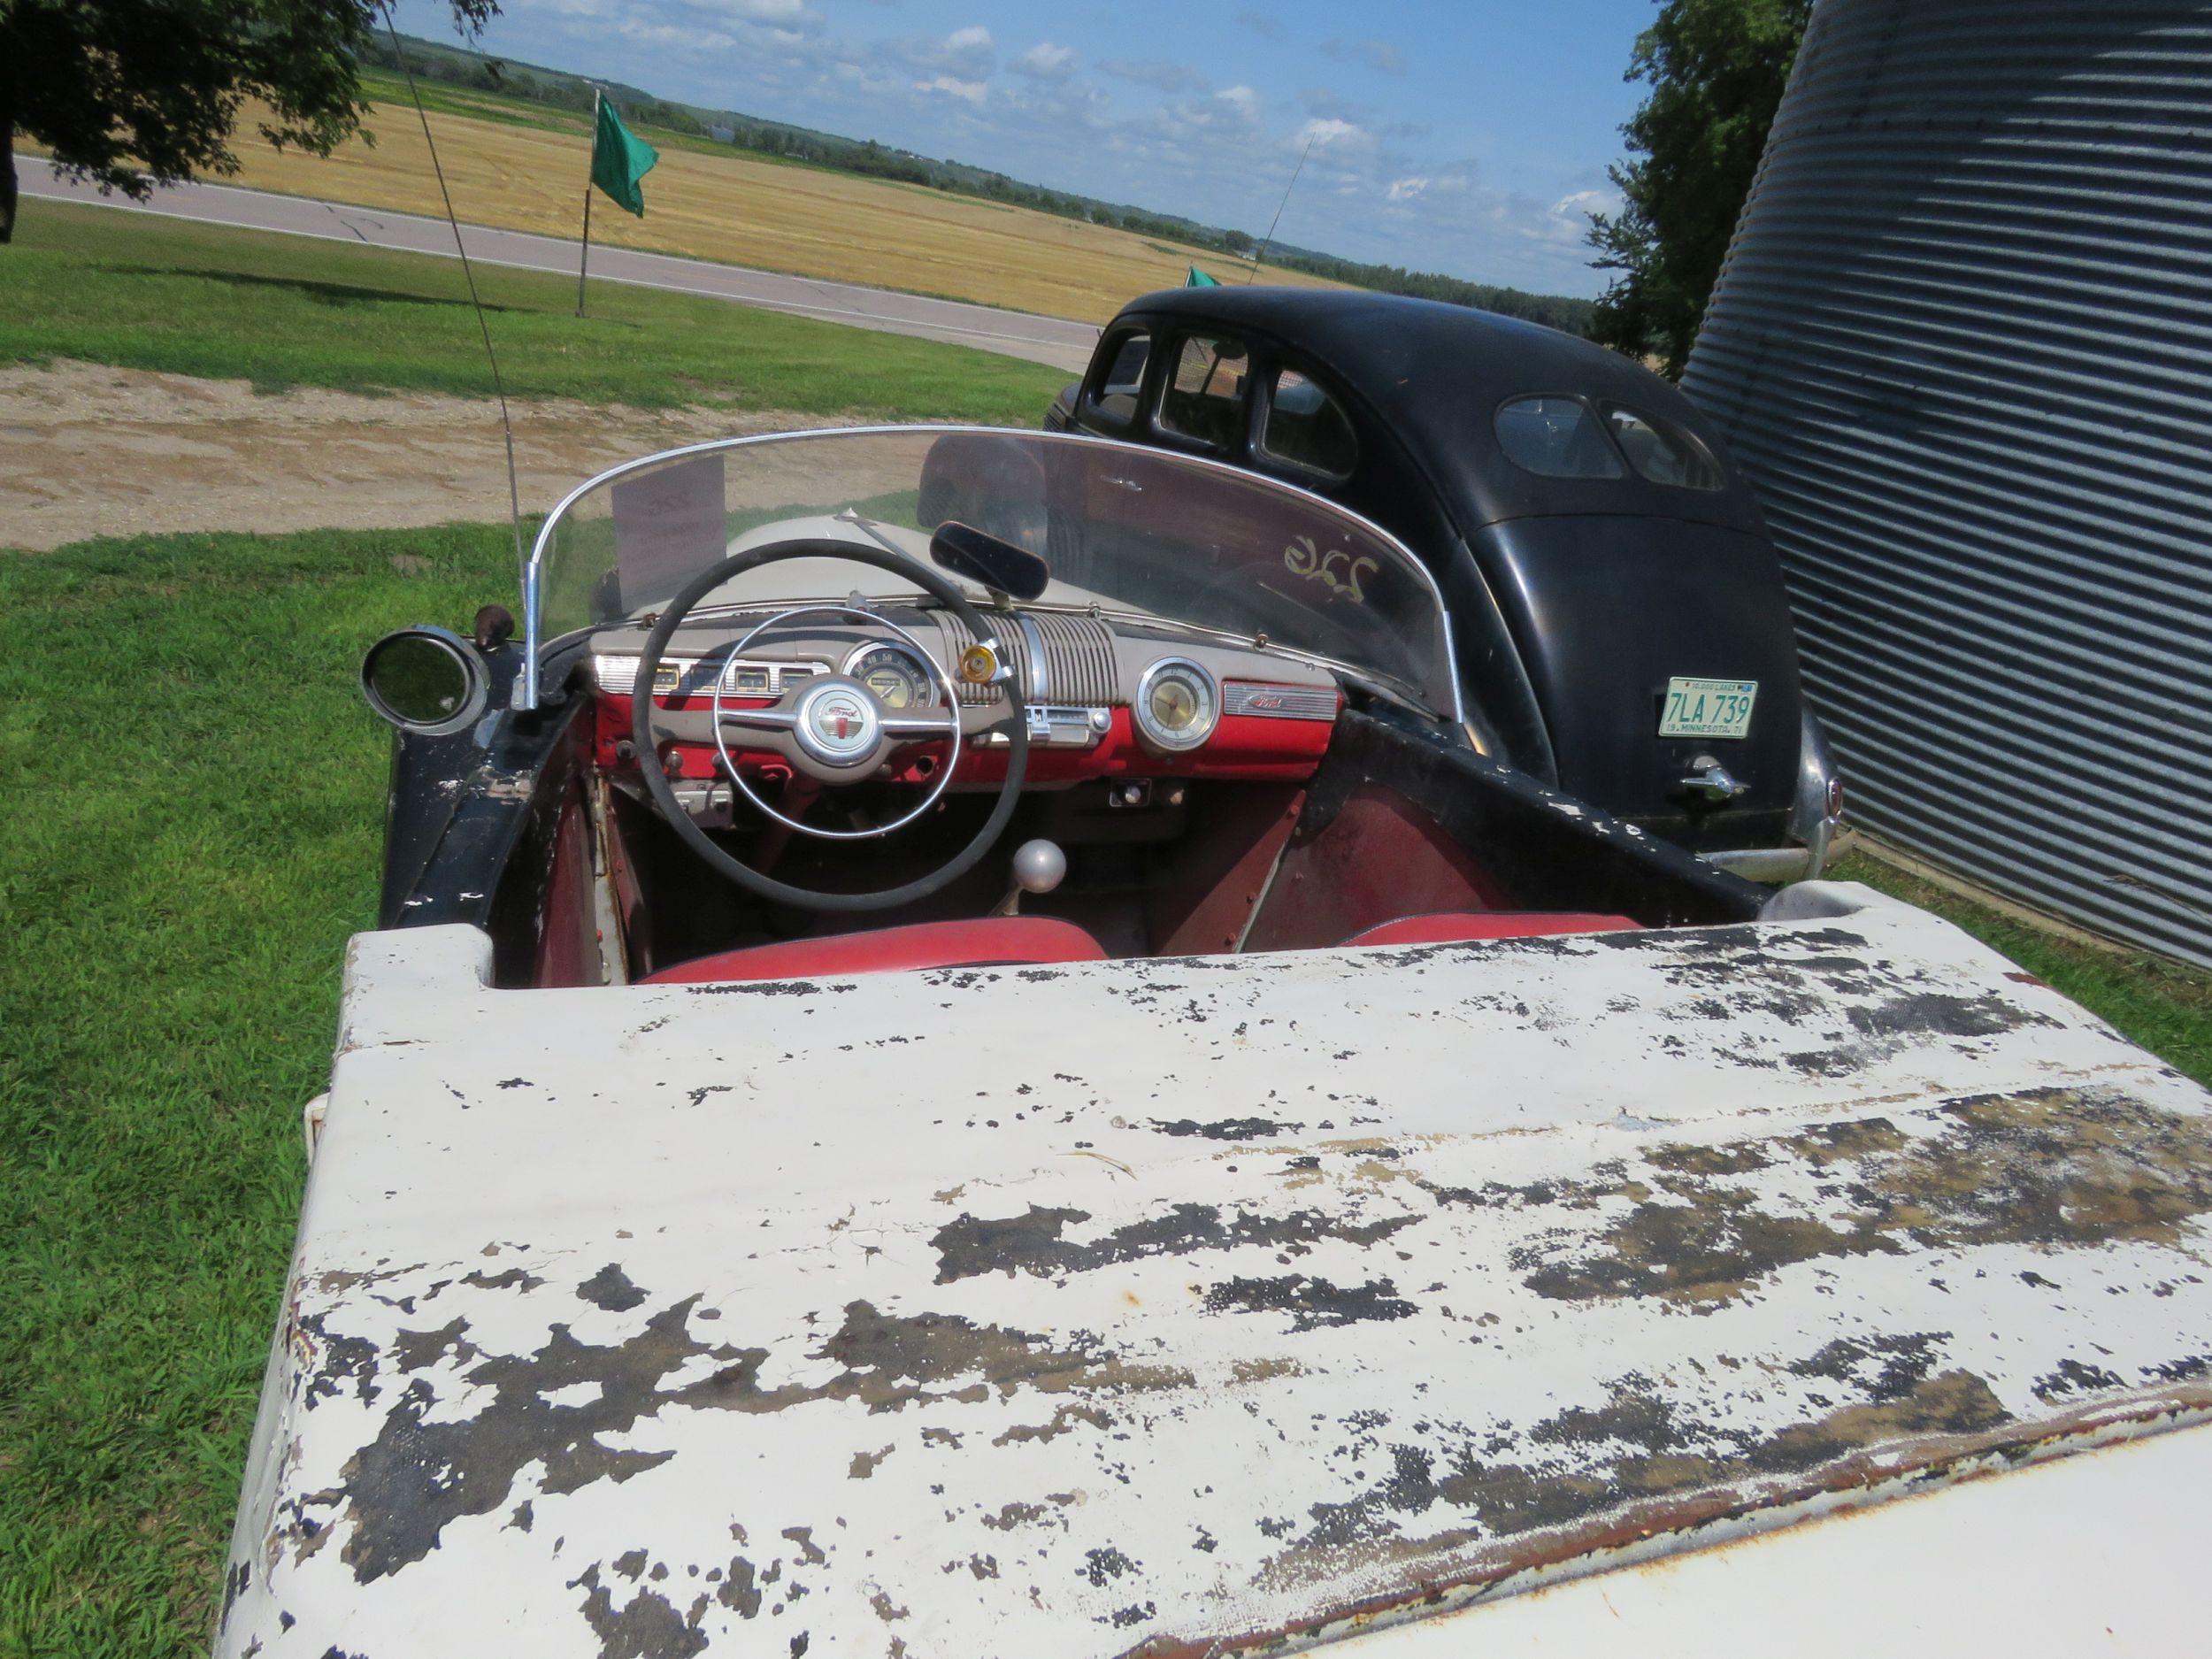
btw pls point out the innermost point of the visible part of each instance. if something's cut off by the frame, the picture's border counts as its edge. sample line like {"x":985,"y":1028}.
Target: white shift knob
{"x":1039,"y":866}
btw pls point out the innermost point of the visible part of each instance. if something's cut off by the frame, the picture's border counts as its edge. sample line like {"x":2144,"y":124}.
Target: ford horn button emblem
{"x":839,"y":722}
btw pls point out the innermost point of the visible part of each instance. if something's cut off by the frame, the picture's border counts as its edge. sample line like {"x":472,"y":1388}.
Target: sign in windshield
{"x":1124,"y":528}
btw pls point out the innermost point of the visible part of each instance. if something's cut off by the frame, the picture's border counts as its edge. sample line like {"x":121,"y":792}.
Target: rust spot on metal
{"x":2054,"y":1167}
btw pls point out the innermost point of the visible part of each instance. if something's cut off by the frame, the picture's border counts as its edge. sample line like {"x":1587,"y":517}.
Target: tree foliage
{"x":134,"y":93}
{"x":1717,"y":69}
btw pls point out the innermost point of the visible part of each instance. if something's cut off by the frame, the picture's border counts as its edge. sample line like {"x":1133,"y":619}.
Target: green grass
{"x":144,"y":293}
{"x":191,"y":790}
{"x":2160,"y":1005}
{"x":192,"y":795}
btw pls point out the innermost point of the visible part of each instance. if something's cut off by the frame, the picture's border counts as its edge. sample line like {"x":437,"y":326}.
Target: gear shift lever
{"x":1038,"y":867}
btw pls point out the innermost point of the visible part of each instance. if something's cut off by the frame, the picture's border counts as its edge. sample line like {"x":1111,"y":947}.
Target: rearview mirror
{"x":981,"y":557}
{"x":425,"y":681}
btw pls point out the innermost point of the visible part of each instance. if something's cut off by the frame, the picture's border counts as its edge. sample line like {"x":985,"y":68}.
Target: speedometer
{"x":892,"y":674}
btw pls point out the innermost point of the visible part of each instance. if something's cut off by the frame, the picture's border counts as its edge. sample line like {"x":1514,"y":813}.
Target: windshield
{"x":1125,"y":529}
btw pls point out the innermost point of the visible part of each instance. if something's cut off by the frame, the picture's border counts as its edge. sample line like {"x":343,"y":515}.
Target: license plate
{"x":1708,"y":707}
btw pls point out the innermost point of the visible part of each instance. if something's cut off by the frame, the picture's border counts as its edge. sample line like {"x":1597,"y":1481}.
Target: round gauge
{"x":1177,"y":705}
{"x":892,"y":674}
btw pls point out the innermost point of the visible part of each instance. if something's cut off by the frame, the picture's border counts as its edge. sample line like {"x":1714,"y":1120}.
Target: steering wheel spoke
{"x":776,"y":718}
{"x":912,"y":724}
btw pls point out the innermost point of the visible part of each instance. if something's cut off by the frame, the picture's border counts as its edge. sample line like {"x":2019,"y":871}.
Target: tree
{"x":1716,"y":70}
{"x":134,"y":93}
{"x":1236,"y":242}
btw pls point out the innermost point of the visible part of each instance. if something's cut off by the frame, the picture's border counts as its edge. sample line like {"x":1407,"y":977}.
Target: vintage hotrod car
{"x":965,"y":1058}
{"x":1619,"y":617}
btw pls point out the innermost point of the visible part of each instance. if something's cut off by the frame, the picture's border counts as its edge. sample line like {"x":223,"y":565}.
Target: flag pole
{"x":583,"y":262}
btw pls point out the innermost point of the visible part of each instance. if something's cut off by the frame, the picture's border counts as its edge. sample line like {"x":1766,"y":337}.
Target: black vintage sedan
{"x":1621,"y":626}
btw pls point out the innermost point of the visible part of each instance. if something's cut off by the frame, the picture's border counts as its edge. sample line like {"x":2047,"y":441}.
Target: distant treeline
{"x":430,"y":61}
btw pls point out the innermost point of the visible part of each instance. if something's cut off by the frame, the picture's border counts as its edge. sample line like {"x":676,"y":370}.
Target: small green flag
{"x":1198,"y":279}
{"x":620,"y":159}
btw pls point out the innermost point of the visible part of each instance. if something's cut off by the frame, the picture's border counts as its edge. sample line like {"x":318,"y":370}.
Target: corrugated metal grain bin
{"x":1963,"y":346}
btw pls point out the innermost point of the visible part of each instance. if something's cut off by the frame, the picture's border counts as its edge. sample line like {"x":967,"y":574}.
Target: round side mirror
{"x":426,"y":681}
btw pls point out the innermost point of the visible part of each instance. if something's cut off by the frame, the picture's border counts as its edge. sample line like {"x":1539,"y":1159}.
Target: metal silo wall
{"x":1963,"y":343}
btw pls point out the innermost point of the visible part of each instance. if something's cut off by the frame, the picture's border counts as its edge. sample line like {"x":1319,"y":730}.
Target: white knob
{"x":1039,"y":866}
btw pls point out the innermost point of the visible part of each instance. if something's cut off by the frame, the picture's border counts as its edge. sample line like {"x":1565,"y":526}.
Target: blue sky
{"x":1469,"y":136}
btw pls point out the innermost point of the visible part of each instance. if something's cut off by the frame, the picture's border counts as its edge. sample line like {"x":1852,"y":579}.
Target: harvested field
{"x":522,"y":167}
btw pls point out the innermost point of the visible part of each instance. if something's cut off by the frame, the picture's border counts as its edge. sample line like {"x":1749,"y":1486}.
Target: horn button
{"x":838,"y":724}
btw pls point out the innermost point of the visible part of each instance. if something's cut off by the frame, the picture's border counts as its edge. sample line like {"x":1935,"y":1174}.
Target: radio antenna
{"x":1279,"y":206}
{"x":468,"y":271}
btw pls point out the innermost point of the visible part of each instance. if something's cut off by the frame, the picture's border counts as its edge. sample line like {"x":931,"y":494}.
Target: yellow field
{"x":729,"y":206}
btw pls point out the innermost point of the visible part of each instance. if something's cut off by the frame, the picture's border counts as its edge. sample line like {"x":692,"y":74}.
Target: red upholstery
{"x":987,"y":942}
{"x":1452,"y":928}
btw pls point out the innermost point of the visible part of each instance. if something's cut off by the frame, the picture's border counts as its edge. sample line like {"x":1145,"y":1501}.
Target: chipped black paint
{"x":1638,"y":1445}
{"x":1311,"y":1303}
{"x":1228,"y":1128}
{"x":610,"y":1288}
{"x":2045,"y":1167}
{"x":1033,"y":1243}
{"x":418,"y":1476}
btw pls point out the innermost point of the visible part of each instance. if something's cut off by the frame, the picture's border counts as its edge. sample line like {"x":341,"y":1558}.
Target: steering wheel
{"x":831,"y":727}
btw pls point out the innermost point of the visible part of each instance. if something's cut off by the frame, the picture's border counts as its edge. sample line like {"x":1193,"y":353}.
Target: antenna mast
{"x":1279,"y":206}
{"x":506,"y":424}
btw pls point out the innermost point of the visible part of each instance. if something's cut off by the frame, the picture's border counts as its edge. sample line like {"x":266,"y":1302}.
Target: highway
{"x":1050,"y":339}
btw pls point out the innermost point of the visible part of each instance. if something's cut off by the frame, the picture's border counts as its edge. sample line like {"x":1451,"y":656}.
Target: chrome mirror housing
{"x":1817,"y":811}
{"x":426,"y":681}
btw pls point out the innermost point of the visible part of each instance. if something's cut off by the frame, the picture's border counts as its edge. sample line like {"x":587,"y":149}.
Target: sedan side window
{"x":1555,"y":437}
{"x":1205,"y":398}
{"x":1307,"y":427}
{"x":1114,"y":399}
{"x":1662,"y":452}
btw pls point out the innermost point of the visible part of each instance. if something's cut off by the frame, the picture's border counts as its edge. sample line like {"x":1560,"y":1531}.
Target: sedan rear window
{"x":1205,"y":399}
{"x":1662,"y":452}
{"x":1307,"y":427}
{"x":1556,"y":437}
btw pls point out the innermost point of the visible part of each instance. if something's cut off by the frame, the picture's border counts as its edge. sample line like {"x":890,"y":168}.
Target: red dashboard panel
{"x":1244,"y":747}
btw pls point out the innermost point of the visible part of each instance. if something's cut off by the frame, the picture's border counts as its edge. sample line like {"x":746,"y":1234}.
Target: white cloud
{"x":966,"y":54}
{"x":1375,"y":54}
{"x":1406,"y":189}
{"x":970,"y":91}
{"x":1047,"y":62}
{"x":790,"y":14}
{"x":1243,"y":100}
{"x":1326,"y":131}
{"x":1162,"y":77}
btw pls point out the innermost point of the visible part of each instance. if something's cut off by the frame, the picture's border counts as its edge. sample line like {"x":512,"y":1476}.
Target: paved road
{"x":1052,"y":339}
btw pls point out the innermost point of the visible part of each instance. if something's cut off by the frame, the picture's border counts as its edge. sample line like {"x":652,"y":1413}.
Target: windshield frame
{"x":527,"y":687}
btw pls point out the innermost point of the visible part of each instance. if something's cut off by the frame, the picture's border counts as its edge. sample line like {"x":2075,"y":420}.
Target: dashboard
{"x":1102,"y":697}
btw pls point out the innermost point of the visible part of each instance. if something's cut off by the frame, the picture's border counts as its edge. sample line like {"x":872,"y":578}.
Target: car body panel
{"x":1422,"y":383}
{"x":1653,"y":599}
{"x":1197,"y":1305}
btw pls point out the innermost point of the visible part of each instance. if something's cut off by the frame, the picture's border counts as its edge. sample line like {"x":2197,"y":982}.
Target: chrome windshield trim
{"x":528,"y":690}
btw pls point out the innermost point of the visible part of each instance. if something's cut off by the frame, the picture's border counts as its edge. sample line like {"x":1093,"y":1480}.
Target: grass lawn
{"x":193,"y":832}
{"x":148,"y":293}
{"x":193,"y":795}
{"x":2162,"y":1005}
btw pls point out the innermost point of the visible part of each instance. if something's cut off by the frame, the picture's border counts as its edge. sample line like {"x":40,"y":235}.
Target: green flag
{"x":618,"y":160}
{"x":1198,"y":279}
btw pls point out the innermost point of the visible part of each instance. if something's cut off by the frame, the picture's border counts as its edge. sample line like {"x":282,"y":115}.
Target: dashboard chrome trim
{"x":614,"y":671}
{"x":1277,"y":702}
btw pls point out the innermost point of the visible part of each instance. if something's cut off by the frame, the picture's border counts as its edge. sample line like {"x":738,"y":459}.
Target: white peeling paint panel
{"x":1168,"y":1305}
